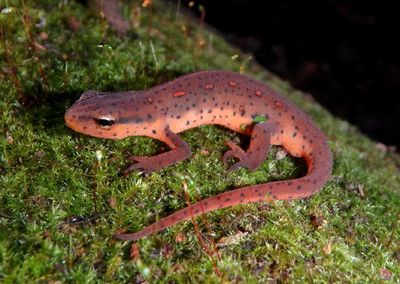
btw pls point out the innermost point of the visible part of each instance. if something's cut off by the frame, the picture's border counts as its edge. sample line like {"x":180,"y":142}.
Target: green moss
{"x":60,"y":205}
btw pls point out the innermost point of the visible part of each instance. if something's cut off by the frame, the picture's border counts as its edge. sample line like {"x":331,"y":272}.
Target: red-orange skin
{"x":210,"y":97}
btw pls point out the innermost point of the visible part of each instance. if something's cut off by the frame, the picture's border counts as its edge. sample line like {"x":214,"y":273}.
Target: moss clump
{"x":60,"y":205}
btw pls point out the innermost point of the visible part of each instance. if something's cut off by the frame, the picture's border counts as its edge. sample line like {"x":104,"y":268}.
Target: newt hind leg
{"x":180,"y":151}
{"x":257,"y":151}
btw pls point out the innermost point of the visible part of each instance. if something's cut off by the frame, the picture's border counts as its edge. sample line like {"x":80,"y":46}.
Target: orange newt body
{"x":209,"y":97}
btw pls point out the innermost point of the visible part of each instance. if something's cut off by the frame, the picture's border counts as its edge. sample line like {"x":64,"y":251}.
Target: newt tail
{"x":209,"y":97}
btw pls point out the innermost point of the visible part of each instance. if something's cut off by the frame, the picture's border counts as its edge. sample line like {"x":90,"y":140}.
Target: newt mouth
{"x":70,"y":119}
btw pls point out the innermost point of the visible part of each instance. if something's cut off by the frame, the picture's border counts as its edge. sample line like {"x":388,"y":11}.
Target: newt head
{"x":108,"y":115}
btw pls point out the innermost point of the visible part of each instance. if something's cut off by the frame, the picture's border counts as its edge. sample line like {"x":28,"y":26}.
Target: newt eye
{"x":105,"y":121}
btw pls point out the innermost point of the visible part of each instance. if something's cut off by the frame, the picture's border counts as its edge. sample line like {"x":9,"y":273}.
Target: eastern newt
{"x":209,"y":97}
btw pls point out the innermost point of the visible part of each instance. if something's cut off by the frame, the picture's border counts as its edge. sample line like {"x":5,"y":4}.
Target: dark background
{"x":345,"y":54}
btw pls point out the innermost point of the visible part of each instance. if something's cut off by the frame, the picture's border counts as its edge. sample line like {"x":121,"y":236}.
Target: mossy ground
{"x":60,"y":205}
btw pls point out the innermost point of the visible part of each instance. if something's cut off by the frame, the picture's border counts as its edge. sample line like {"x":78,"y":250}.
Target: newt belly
{"x":209,"y":97}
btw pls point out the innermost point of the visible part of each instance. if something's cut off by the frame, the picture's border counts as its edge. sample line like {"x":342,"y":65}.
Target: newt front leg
{"x":180,"y":151}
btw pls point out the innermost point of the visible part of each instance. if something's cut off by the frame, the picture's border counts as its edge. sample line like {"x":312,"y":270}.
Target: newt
{"x":224,"y":98}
